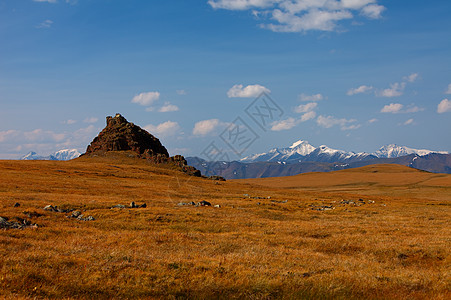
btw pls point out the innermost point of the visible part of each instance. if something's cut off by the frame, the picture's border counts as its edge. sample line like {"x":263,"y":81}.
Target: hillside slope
{"x":261,"y":243}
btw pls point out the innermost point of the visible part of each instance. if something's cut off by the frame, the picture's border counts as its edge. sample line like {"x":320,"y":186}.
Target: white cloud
{"x":412,"y":77}
{"x":444,"y":106}
{"x":308,"y":116}
{"x":146,"y":99}
{"x":315,"y":97}
{"x":284,"y":124}
{"x":49,"y":1}
{"x":250,"y":91}
{"x":303,"y":15}
{"x":306,"y":107}
{"x":181,"y":92}
{"x":168,"y":107}
{"x":361,"y":89}
{"x":240,"y":4}
{"x":167,"y":128}
{"x":90,"y":120}
{"x":373,"y":11}
{"x":373,"y":121}
{"x":396,"y":108}
{"x":69,"y":122}
{"x":409,"y":122}
{"x":8,"y":135}
{"x":45,"y":24}
{"x":344,"y":124}
{"x":206,"y":127}
{"x":393,"y":108}
{"x":448,"y":91}
{"x":396,"y":89}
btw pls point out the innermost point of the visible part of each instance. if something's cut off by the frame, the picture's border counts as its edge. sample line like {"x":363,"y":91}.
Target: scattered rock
{"x":88,"y":218}
{"x":217,"y":206}
{"x":75,"y":214}
{"x":204,"y":203}
{"x":17,"y":204}
{"x":284,"y":201}
{"x":216,"y":177}
{"x":49,"y":208}
{"x":322,"y":207}
{"x":57,"y":209}
{"x":133,"y":205}
{"x":118,"y":206}
{"x":19,"y":224}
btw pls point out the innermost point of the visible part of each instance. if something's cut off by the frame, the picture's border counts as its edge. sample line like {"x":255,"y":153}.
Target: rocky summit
{"x":121,"y":135}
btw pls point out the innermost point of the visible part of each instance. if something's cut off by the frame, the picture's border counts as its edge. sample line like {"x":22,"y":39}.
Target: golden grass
{"x":395,"y":248}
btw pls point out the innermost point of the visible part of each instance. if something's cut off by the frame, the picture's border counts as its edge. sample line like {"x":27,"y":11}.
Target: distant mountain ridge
{"x":65,"y":154}
{"x":302,"y":151}
{"x":302,"y":157}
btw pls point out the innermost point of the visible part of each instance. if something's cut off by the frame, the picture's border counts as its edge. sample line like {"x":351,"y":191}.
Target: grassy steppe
{"x":395,"y":248}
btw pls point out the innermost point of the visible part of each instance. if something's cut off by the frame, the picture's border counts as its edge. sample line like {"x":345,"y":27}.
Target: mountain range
{"x":302,"y":151}
{"x":301,"y":157}
{"x":65,"y":154}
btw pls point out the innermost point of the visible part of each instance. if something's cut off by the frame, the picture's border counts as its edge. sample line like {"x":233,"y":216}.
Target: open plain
{"x":378,"y":232}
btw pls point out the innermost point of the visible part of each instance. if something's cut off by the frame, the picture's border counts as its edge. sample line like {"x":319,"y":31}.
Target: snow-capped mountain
{"x":296,"y":151}
{"x":392,"y":151}
{"x":32,"y":156}
{"x":302,"y":151}
{"x":65,"y":154}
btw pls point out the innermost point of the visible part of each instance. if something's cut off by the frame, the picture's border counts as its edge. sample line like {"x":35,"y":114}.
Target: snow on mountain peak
{"x":65,"y":154}
{"x":393,"y":150}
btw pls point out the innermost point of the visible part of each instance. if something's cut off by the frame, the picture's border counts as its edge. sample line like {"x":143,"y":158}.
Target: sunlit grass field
{"x":379,"y":232}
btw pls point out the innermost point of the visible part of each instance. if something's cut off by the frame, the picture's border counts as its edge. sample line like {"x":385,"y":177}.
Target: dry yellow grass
{"x":395,"y":248}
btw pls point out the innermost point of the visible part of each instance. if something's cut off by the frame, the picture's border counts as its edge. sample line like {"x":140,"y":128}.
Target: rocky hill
{"x":121,"y":135}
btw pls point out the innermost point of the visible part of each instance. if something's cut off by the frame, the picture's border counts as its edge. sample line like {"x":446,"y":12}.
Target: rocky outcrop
{"x":121,"y":135}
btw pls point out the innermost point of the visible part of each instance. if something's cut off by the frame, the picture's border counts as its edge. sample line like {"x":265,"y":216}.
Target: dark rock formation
{"x":121,"y":135}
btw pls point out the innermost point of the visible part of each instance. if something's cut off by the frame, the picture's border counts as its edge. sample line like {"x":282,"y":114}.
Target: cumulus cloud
{"x":250,"y":91}
{"x":411,"y":78}
{"x":167,"y":128}
{"x":303,"y":15}
{"x":393,"y":108}
{"x":373,"y":121}
{"x":444,"y":106}
{"x":308,"y":116}
{"x":396,"y":108}
{"x":146,"y":99}
{"x":168,"y":107}
{"x":284,"y":124}
{"x":181,"y":92}
{"x":373,"y":11}
{"x":361,"y":89}
{"x":448,"y":91}
{"x":396,"y":89}
{"x":315,"y":97}
{"x":206,"y":127}
{"x":306,"y":107}
{"x":330,"y":121}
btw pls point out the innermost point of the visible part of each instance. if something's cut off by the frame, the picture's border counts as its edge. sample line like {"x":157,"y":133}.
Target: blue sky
{"x":351,"y":74}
